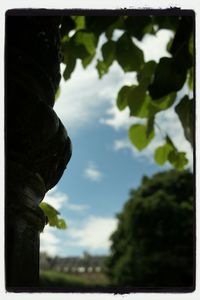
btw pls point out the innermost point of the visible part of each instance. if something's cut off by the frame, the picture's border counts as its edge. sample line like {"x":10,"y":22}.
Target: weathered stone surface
{"x":37,"y":145}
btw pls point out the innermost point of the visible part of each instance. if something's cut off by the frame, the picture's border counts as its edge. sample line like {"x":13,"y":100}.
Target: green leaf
{"x":61,"y":224}
{"x":190,"y":78}
{"x":168,"y":78}
{"x":87,"y":60}
{"x":79,"y":21}
{"x":50,"y":212}
{"x":128,"y":55}
{"x":52,"y":215}
{"x":122,"y":97}
{"x":145,"y":75}
{"x":118,"y":24}
{"x":102,"y":68}
{"x":164,"y":102}
{"x":86,"y":39}
{"x":138,"y":136}
{"x":57,"y":95}
{"x":99,"y":24}
{"x":139,"y":102}
{"x":150,"y":125}
{"x":161,"y":153}
{"x":167,"y":22}
{"x":184,"y":110}
{"x":178,"y":159}
{"x":191,"y":44}
{"x":108,"y":52}
{"x":136,"y":101}
{"x":169,"y":141}
{"x":138,"y":26}
{"x":71,"y":63}
{"x":169,"y":44}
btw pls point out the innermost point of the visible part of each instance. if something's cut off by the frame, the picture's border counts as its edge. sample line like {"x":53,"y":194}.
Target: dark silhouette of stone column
{"x":37,"y":145}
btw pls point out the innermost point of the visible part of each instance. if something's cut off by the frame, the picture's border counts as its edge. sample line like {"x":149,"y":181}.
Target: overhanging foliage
{"x":158,"y":83}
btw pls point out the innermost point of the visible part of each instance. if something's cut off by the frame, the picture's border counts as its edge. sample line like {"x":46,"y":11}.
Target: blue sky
{"x":104,"y":166}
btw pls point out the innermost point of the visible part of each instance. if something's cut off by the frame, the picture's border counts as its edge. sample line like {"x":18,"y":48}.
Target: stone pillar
{"x":37,"y":145}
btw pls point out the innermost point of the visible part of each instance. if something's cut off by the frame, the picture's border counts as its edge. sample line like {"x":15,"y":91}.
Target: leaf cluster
{"x":158,"y":83}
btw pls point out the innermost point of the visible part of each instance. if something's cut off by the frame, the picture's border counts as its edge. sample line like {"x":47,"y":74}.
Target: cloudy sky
{"x":104,"y":165}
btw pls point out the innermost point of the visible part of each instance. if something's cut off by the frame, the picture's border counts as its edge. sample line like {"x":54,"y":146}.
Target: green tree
{"x":153,"y":243}
{"x":158,"y":83}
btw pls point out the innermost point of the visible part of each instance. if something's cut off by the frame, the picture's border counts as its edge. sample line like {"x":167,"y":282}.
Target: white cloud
{"x":84,"y":97}
{"x":117,"y":119}
{"x":59,"y":200}
{"x":121,"y":144}
{"x":154,"y":46}
{"x":94,"y":233}
{"x":49,"y":242}
{"x":78,"y":207}
{"x":55,"y":198}
{"x":92,"y":173}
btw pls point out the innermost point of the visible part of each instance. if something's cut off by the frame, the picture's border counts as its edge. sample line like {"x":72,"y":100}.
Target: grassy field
{"x":56,"y":279}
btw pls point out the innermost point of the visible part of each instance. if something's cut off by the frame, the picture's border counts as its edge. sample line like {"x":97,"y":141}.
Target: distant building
{"x":74,"y":264}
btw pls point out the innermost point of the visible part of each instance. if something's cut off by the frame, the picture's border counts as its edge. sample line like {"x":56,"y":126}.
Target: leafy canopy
{"x":158,"y":83}
{"x":153,"y":243}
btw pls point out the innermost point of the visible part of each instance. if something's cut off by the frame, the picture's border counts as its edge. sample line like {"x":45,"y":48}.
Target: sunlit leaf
{"x":122,"y":97}
{"x":184,"y":109}
{"x":139,"y":101}
{"x":79,"y":21}
{"x":164,"y":102}
{"x":138,"y":136}
{"x":128,"y":55}
{"x":52,"y":215}
{"x":101,"y":68}
{"x":161,"y":153}
{"x":61,"y":224}
{"x":190,"y":79}
{"x":87,"y":39}
{"x":57,"y":95}
{"x":50,"y":212}
{"x":169,"y":44}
